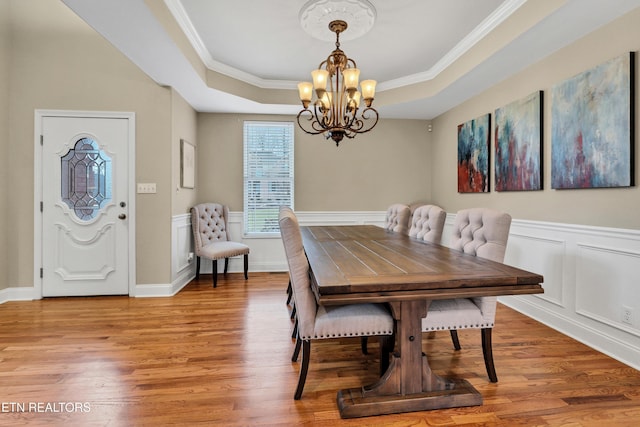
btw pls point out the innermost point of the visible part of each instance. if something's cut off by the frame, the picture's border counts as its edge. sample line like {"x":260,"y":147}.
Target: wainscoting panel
{"x":590,"y":280}
{"x":549,"y":260}
{"x":182,"y":257}
{"x":607,"y":285}
{"x":182,"y":261}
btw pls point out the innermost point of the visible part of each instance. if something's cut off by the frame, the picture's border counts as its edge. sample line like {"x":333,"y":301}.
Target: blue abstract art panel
{"x":518,"y":144}
{"x":592,"y":127}
{"x":473,"y":155}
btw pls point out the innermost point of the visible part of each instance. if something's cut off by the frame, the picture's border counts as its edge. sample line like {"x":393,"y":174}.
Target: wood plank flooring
{"x":222,"y":357}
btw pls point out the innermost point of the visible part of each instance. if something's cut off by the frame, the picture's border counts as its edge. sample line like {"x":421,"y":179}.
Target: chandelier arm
{"x":364,"y":118}
{"x":323,"y":117}
{"x":362,"y":124}
{"x":313,"y":121}
{"x":349,"y":119}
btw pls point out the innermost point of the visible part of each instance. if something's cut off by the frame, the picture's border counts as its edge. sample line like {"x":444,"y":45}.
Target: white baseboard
{"x":618,"y":349}
{"x":18,"y":294}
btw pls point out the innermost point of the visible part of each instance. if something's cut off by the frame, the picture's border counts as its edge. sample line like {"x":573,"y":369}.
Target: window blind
{"x":268,"y":174}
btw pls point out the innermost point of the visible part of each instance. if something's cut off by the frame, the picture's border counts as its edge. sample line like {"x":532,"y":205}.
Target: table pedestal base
{"x":355,"y":403}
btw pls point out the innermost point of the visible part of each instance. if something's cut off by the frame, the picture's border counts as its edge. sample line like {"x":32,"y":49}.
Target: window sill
{"x":275,"y":235}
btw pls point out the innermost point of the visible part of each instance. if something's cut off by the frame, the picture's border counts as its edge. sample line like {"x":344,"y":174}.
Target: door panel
{"x":85,"y":194}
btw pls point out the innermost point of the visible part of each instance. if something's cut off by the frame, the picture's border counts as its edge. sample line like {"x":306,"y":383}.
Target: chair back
{"x":397,"y":218}
{"x":305,"y":301}
{"x":427,"y":223}
{"x":209,"y":224}
{"x":481,"y":232}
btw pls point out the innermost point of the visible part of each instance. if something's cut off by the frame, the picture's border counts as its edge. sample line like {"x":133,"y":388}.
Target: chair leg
{"x":304,"y":367}
{"x":197,"y":267}
{"x":246,"y":266}
{"x":292,"y":307}
{"x":487,"y":350}
{"x":289,"y":292}
{"x":226,"y":265}
{"x":215,"y":273}
{"x":454,"y":339}
{"x":386,"y":347}
{"x":363,"y":344}
{"x":296,"y":349}
{"x":294,"y":333}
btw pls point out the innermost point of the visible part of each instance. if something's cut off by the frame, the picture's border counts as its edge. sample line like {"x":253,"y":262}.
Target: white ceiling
{"x":262,"y":43}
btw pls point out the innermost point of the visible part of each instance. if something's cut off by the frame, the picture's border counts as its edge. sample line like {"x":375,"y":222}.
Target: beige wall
{"x":183,"y":126}
{"x":58,"y":62}
{"x":4,"y":135}
{"x":600,"y":207}
{"x":388,"y":165}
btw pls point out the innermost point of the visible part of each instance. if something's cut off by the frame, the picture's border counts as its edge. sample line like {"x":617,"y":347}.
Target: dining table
{"x":354,"y":264}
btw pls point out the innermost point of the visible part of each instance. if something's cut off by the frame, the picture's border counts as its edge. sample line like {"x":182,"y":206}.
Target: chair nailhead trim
{"x":446,"y":328}
{"x":352,"y":334}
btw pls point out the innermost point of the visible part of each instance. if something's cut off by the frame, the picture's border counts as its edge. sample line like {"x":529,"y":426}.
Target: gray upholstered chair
{"x":483,"y":233}
{"x":324,"y":322}
{"x":291,"y":304}
{"x":397,"y":218}
{"x":211,"y":238}
{"x":413,"y":206}
{"x":427,"y":223}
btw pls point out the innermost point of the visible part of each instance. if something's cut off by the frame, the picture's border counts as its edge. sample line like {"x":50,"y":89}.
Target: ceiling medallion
{"x":316,"y":15}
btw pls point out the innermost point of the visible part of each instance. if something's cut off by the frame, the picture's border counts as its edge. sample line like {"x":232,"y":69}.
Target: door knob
{"x":122,"y":216}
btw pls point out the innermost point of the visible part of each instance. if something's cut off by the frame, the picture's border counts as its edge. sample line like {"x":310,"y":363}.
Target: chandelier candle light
{"x":335,"y":110}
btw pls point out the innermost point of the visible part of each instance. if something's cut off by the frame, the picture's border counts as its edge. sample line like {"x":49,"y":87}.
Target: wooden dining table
{"x":367,"y":264}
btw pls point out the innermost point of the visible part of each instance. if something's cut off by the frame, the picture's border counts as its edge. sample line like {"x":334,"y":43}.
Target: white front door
{"x":85,"y":212}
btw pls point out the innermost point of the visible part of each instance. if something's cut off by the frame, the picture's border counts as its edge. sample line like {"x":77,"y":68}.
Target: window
{"x":268,"y":175}
{"x":86,"y":179}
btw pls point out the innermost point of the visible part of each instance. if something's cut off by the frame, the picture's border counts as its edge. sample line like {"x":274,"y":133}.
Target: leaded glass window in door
{"x":86,"y":179}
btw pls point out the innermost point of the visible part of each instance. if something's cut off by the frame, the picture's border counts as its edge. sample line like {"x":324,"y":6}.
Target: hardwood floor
{"x":222,"y":357}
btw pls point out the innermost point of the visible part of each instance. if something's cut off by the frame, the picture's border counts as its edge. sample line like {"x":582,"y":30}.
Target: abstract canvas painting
{"x":473,"y":155}
{"x":592,"y":127}
{"x":518,"y":145}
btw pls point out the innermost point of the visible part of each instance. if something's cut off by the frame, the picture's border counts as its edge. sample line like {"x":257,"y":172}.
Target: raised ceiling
{"x":245,"y":56}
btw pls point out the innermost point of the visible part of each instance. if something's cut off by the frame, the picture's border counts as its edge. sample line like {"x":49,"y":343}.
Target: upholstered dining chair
{"x":397,"y":218}
{"x":427,"y":223}
{"x":209,"y":222}
{"x":291,"y":305}
{"x":413,"y":206}
{"x":315,"y":322}
{"x":481,"y":232}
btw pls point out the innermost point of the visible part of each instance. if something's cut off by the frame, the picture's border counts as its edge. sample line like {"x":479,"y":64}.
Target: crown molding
{"x":181,"y":17}
{"x":498,"y":16}
{"x":485,"y":27}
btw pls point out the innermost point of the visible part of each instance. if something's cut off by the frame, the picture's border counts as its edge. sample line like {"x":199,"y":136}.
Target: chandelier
{"x":337,"y":111}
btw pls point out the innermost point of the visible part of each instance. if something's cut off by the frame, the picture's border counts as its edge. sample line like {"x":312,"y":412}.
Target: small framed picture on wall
{"x":187,"y":164}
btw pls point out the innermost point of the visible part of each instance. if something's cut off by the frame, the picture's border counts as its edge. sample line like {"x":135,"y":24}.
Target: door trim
{"x":38,"y":179}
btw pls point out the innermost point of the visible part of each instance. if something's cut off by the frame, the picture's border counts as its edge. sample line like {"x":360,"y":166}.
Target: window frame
{"x":271,"y":181}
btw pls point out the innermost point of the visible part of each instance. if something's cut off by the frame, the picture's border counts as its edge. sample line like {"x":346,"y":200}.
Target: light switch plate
{"x":146,"y":188}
